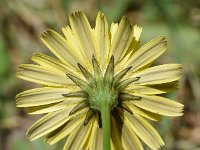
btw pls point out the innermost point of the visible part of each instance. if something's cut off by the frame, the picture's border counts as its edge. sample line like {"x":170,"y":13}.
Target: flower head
{"x":100,"y":89}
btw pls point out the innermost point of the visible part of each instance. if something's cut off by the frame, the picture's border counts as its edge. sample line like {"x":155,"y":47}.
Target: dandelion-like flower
{"x":100,"y":89}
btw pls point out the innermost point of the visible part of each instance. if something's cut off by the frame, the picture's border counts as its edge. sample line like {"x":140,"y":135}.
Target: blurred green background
{"x":23,"y":21}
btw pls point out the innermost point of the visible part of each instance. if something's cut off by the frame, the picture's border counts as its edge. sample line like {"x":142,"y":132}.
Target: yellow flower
{"x":99,"y":90}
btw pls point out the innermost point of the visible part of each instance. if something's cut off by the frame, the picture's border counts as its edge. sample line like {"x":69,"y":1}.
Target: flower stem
{"x":105,"y":116}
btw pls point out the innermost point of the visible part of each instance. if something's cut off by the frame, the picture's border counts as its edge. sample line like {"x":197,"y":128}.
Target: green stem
{"x":105,"y":116}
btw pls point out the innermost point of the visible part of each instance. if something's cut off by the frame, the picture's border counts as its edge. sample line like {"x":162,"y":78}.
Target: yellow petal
{"x":113,"y":30}
{"x":83,"y":33}
{"x":122,"y":64}
{"x":50,"y":62}
{"x":92,"y":142}
{"x":140,"y":89}
{"x":80,"y":139}
{"x":144,"y":130}
{"x":160,"y":105}
{"x":70,"y":138}
{"x":42,"y":75}
{"x":68,"y":128}
{"x":96,"y":143}
{"x":82,"y":136}
{"x":130,"y":140}
{"x":44,"y":109}
{"x":51,"y":122}
{"x":142,"y":112}
{"x":78,"y":52}
{"x":53,"y":107}
{"x":132,"y":48}
{"x":42,"y":96}
{"x":102,"y":38}
{"x":112,"y":146}
{"x":99,"y":139}
{"x":48,"y":123}
{"x":148,"y":53}
{"x":135,"y":40}
{"x":58,"y":45}
{"x":170,"y":86}
{"x":122,"y":39}
{"x":137,"y":32}
{"x":159,"y":74}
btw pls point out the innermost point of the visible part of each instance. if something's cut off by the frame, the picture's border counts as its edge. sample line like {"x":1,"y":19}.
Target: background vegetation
{"x":23,"y":21}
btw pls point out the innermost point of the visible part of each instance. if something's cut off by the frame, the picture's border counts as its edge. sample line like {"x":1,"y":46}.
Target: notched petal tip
{"x":159,"y":40}
{"x":20,"y":70}
{"x":36,"y":55}
{"x":126,"y":20}
{"x":76,"y":14}
{"x":163,"y":40}
{"x":181,"y":69}
{"x":17,"y":103}
{"x":100,"y":14}
{"x":18,"y":74}
{"x":137,"y":32}
{"x":160,"y":105}
{"x":29,"y":135}
{"x":47,"y":33}
{"x":44,"y":34}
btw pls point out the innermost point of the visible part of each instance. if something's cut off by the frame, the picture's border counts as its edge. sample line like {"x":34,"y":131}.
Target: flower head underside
{"x":100,"y":89}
